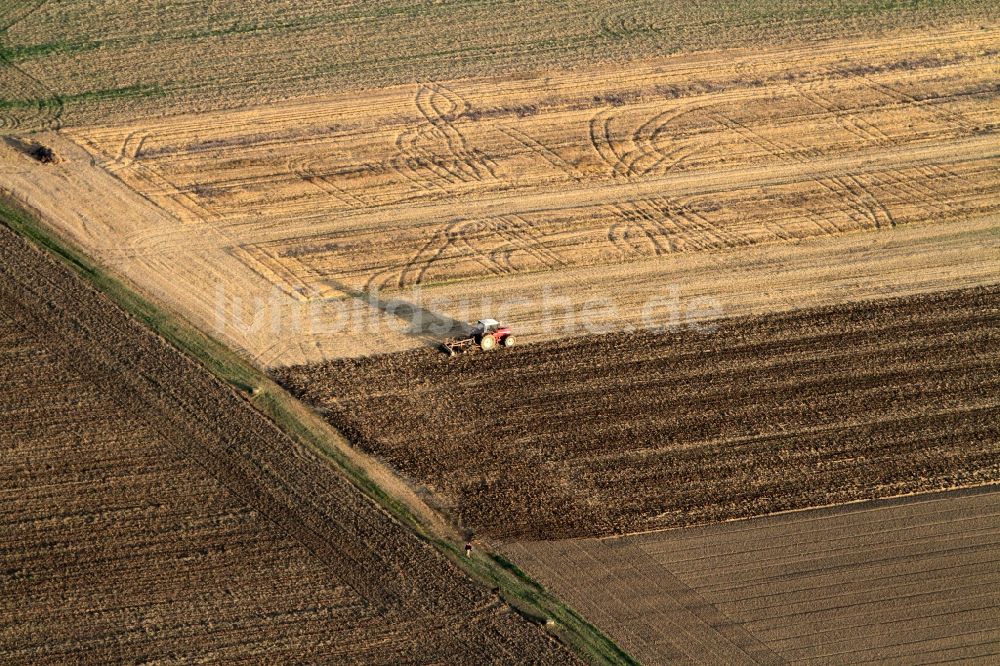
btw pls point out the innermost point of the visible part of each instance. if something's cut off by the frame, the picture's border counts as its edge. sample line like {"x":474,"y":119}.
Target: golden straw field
{"x":782,"y":168}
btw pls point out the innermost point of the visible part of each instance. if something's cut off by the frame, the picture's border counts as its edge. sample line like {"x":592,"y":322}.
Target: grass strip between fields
{"x":524,"y":595}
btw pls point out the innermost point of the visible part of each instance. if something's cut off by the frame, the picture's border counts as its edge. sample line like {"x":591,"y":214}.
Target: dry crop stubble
{"x":768,"y":180}
{"x":116,"y":61}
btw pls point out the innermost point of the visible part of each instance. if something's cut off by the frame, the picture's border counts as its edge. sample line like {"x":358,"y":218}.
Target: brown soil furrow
{"x":151,"y":513}
{"x":639,"y":431}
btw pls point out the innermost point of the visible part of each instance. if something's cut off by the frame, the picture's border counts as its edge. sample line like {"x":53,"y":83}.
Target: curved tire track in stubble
{"x":522,"y":238}
{"x":863,"y":207}
{"x":420,"y":166}
{"x":436,"y":156}
{"x":128,"y":162}
{"x":468,"y":240}
{"x":309,"y":169}
{"x":646,"y":145}
{"x":625,"y":158}
{"x":869,"y":134}
{"x":544,"y":152}
{"x":668,"y":225}
{"x":662,"y":224}
{"x":442,"y":107}
{"x":643,"y":152}
{"x":814,"y":92}
{"x":187,"y":207}
{"x":451,"y":242}
{"x":625,"y":23}
{"x":491,"y":243}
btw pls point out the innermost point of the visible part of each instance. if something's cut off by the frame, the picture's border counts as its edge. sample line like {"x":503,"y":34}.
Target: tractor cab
{"x":484,"y":326}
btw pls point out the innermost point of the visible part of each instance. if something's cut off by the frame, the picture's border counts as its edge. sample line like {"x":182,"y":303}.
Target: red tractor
{"x":486,"y":334}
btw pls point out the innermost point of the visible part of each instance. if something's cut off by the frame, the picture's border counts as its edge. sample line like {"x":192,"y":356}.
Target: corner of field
{"x":525,"y":596}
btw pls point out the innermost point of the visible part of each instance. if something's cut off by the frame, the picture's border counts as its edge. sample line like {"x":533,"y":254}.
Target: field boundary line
{"x":524,"y":595}
{"x":822,"y":510}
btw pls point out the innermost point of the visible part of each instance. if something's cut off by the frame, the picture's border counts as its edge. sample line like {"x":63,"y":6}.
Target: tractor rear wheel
{"x":509,"y":341}
{"x":487,"y":342}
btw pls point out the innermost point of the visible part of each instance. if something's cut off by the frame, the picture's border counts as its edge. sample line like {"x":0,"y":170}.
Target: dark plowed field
{"x":631,"y":432}
{"x":149,"y":513}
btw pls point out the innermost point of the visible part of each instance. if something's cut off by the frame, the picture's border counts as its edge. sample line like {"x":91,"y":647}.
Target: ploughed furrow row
{"x":149,"y":512}
{"x":627,"y":432}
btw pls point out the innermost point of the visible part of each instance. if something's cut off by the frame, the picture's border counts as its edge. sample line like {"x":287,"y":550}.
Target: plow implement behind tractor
{"x":486,"y":334}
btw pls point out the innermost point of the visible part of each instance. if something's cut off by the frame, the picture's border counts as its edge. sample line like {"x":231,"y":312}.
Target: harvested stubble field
{"x":149,"y":513}
{"x":900,"y":582}
{"x":767,"y":179}
{"x":627,"y":432}
{"x":76,"y":61}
